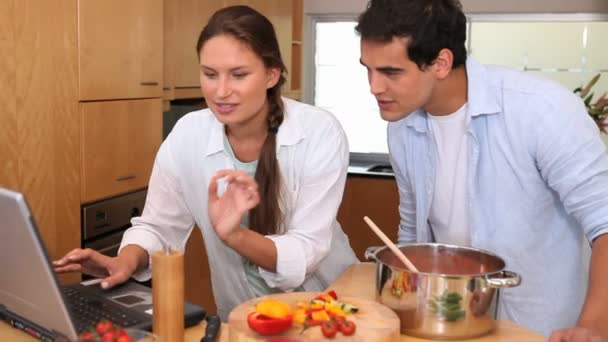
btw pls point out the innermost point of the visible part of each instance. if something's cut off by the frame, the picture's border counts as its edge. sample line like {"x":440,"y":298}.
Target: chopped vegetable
{"x":265,"y":325}
{"x":273,"y":308}
{"x":349,"y":308}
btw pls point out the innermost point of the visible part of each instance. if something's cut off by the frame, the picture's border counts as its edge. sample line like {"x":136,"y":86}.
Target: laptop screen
{"x":28,"y":285}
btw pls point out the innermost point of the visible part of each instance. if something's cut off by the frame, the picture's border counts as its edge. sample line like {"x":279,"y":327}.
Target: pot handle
{"x":503,"y":279}
{"x":370,"y":252}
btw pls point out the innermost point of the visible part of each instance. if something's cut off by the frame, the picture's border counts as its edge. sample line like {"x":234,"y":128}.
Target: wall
{"x":474,"y":6}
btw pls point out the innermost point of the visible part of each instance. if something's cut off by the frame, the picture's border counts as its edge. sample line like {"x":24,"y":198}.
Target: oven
{"x":104,"y":222}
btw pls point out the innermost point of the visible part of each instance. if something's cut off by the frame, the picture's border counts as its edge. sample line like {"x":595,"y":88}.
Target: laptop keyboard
{"x":86,"y":309}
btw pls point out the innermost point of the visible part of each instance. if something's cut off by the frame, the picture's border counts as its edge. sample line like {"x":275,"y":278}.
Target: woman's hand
{"x":112,"y":270}
{"x":226,"y":211}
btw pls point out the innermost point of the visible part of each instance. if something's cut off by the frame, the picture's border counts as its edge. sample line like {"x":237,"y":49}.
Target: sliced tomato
{"x":329,"y":328}
{"x":347,"y":327}
{"x":333,"y":294}
{"x":265,"y":325}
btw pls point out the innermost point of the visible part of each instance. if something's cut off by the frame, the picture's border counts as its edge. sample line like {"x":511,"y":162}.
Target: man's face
{"x":399,"y":86}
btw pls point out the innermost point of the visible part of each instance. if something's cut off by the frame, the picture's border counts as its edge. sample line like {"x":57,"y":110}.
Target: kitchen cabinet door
{"x":9,"y":127}
{"x":280,"y":13}
{"x":169,"y":24}
{"x":197,"y":285}
{"x":119,"y":143}
{"x":191,"y":17}
{"x":120,"y":49}
{"x":39,"y":121}
{"x":376,"y":197}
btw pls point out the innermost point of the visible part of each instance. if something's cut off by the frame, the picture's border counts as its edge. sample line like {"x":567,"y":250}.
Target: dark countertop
{"x":370,"y":169}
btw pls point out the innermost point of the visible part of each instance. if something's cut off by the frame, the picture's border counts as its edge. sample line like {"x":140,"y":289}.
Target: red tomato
{"x":265,"y":325}
{"x":109,"y":336}
{"x":103,"y":326}
{"x":121,"y":332}
{"x":339,"y":319}
{"x":86,"y":337}
{"x":124,"y":338}
{"x":329,"y":328}
{"x":347,"y":327}
{"x":333,"y":294}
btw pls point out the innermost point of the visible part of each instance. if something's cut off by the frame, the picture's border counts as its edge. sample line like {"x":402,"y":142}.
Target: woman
{"x":261,"y":175}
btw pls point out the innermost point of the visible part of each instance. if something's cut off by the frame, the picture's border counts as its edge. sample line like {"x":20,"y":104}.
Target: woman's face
{"x":234,"y":80}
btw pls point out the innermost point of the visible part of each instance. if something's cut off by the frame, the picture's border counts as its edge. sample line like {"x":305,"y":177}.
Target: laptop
{"x":32,"y":299}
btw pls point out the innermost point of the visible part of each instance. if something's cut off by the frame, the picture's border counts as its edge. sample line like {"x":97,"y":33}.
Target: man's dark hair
{"x":429,"y":25}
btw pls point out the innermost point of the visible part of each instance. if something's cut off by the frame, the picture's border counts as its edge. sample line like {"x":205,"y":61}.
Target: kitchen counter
{"x":358,"y":168}
{"x":357,"y":281}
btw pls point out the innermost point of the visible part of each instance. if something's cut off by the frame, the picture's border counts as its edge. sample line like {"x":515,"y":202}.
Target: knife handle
{"x":212,"y":329}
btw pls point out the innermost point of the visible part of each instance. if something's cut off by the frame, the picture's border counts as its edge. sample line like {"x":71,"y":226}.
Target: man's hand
{"x":577,"y":334}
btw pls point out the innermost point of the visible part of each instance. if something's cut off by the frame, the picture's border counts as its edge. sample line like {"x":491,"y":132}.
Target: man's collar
{"x":481,"y":97}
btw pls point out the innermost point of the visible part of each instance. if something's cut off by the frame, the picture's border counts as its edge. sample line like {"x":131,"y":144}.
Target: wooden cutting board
{"x":375,"y":322}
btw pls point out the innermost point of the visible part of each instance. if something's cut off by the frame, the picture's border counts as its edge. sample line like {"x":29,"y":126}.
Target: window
{"x":341,"y":86}
{"x":568,"y":48}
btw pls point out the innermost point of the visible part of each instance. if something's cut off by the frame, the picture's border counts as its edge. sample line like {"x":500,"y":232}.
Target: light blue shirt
{"x":537,"y":188}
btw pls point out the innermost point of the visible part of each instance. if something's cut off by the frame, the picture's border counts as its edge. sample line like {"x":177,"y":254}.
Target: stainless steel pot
{"x":450,"y":295}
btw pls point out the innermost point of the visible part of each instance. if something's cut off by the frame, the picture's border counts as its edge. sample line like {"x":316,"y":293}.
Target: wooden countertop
{"x":357,"y":281}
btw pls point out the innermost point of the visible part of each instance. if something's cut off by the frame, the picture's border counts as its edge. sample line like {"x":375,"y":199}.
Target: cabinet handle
{"x":122,"y":178}
{"x":149,"y":83}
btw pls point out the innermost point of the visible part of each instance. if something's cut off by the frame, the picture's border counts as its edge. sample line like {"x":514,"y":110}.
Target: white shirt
{"x":449,"y":216}
{"x":312,"y":151}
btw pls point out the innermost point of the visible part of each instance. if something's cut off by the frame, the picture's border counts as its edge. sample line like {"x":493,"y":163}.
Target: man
{"x":496,"y":159}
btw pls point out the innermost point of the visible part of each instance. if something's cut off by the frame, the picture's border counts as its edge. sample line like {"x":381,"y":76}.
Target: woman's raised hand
{"x":226,"y":211}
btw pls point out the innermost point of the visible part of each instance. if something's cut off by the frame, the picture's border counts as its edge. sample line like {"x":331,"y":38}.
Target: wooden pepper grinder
{"x":168,"y":294}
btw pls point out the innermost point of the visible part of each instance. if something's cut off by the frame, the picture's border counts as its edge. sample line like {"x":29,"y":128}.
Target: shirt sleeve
{"x":309,"y":233}
{"x":407,"y":203}
{"x":573,"y":160}
{"x":166,"y":221}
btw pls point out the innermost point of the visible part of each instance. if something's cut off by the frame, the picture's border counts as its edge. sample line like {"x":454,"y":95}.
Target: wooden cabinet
{"x":279,"y":12}
{"x":120,"y":59}
{"x":376,"y":197}
{"x":119,"y":143}
{"x":197,"y":275}
{"x":39,"y":121}
{"x":296,"y":49}
{"x":184,"y":20}
{"x":120,"y":49}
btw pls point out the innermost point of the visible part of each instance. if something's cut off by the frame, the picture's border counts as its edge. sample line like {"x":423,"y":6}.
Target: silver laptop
{"x":31,"y":298}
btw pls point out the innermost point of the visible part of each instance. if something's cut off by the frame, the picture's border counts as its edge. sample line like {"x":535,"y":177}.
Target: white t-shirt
{"x":449,"y":215}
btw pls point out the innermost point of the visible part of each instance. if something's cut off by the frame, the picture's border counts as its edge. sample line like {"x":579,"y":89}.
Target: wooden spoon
{"x":390,"y":244}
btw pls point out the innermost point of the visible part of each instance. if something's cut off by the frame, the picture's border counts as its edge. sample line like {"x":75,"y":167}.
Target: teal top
{"x":256,"y":282}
